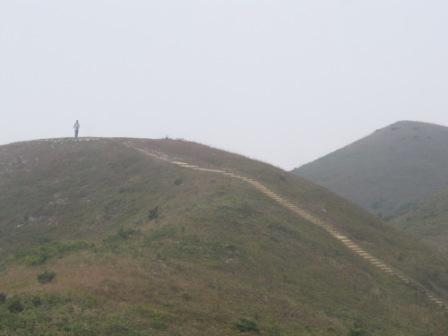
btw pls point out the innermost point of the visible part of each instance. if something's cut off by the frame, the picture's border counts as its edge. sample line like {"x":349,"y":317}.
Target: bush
{"x":15,"y":306}
{"x":356,"y":331}
{"x":52,"y":250}
{"x":36,"y":301}
{"x":159,"y":324}
{"x":46,"y":277}
{"x":125,"y":234}
{"x":246,"y":326}
{"x":178,"y":182}
{"x":35,"y":260}
{"x":121,"y":236}
{"x":153,"y":214}
{"x":3,"y":297}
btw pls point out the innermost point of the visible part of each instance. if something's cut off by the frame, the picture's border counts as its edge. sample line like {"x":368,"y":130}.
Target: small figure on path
{"x":76,"y":128}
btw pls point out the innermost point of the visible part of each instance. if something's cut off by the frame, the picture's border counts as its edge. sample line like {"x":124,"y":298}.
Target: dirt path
{"x":328,"y":227}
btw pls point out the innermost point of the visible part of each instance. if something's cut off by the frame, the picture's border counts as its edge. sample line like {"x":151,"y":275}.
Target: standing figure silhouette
{"x":76,"y":128}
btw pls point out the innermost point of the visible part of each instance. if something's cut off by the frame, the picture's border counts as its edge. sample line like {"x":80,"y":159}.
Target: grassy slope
{"x":428,"y":221}
{"x":389,"y":171}
{"x":218,"y":252}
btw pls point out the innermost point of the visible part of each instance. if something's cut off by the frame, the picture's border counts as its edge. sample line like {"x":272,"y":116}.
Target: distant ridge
{"x":428,"y":220}
{"x":389,"y":171}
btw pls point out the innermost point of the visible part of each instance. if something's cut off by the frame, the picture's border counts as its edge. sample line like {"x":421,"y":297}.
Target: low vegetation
{"x":46,"y":277}
{"x":121,"y":249}
{"x":427,"y":220}
{"x":247,"y":326}
{"x":42,"y":253}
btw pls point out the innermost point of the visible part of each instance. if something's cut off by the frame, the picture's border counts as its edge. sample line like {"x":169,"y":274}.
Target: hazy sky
{"x":282,"y":81}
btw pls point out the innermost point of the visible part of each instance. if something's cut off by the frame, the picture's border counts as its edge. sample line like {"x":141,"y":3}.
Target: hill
{"x":164,"y":237}
{"x":389,"y":171}
{"x":428,"y":220}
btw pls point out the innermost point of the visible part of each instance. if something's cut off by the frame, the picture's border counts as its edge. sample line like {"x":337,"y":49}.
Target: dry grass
{"x":218,"y":253}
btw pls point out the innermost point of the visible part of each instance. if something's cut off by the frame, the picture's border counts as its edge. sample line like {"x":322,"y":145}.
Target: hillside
{"x":389,"y":171}
{"x":164,"y":237}
{"x":428,"y":220}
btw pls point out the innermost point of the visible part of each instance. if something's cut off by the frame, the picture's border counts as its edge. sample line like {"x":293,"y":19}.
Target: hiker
{"x":76,"y":128}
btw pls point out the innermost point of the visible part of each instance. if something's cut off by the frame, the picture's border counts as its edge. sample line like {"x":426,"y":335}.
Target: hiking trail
{"x":326,"y":226}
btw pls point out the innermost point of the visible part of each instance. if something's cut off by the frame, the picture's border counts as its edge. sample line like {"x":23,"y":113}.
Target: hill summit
{"x":389,"y":171}
{"x":161,"y":237}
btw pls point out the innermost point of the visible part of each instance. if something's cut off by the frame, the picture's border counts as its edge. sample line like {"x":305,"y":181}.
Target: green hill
{"x":157,"y":237}
{"x":389,"y":171}
{"x":428,"y":220}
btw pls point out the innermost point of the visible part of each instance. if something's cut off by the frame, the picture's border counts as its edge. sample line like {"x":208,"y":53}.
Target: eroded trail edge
{"x":328,"y":227}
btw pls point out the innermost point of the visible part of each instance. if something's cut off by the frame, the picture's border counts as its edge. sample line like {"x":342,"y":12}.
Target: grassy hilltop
{"x":98,"y":239}
{"x":388,"y":172}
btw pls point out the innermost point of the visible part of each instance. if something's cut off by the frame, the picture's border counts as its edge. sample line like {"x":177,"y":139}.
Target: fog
{"x":281,"y":81}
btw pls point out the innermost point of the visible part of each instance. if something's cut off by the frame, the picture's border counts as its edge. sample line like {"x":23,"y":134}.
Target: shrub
{"x":159,"y":324}
{"x":178,"y":182}
{"x":246,"y":326}
{"x":356,"y":331}
{"x":15,"y":306}
{"x":36,"y":301}
{"x":3,"y":297}
{"x":51,"y":250}
{"x":126,"y":233}
{"x":153,"y":214}
{"x":46,"y":277}
{"x":35,"y":260}
{"x":121,"y":236}
{"x":187,"y":297}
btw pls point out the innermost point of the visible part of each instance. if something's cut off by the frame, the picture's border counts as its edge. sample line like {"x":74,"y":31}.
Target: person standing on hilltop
{"x":76,"y":128}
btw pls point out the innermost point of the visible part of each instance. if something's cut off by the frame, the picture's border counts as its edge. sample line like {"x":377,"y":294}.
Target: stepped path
{"x":328,"y":227}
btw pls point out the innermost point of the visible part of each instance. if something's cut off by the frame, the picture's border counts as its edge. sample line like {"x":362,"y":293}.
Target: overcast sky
{"x":281,"y":81}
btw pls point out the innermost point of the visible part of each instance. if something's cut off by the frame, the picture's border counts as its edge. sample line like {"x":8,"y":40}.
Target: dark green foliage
{"x":356,"y":331}
{"x":3,"y":298}
{"x":120,"y":237}
{"x":158,"y":324}
{"x":32,"y":316}
{"x":178,"y":181}
{"x":36,"y":301}
{"x":126,"y":233}
{"x":48,"y":251}
{"x":46,"y":277}
{"x":247,"y":326}
{"x":15,"y":305}
{"x":36,"y":259}
{"x":153,"y":214}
